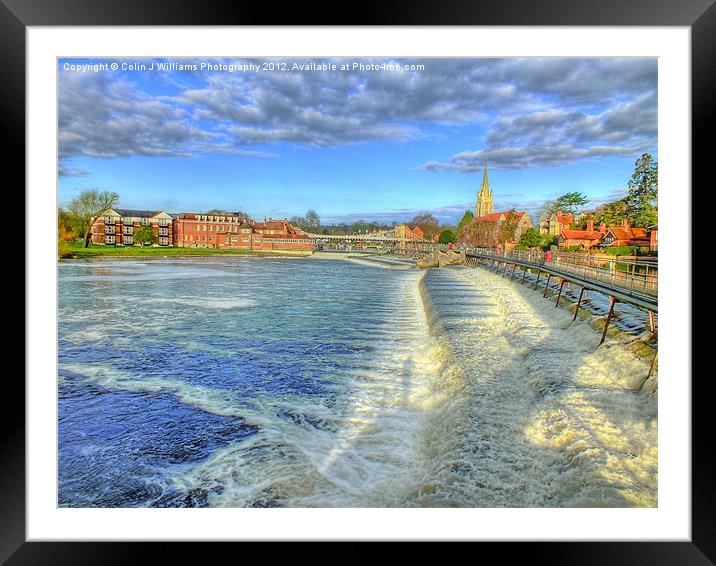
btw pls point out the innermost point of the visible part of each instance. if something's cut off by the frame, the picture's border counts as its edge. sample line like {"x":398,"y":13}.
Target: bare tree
{"x":86,"y":208}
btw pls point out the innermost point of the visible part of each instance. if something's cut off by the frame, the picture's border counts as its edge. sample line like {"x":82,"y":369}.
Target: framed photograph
{"x":395,"y":281}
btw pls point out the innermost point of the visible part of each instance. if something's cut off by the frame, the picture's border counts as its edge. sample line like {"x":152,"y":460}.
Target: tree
{"x":464,"y":221}
{"x":612,"y":213}
{"x":85,"y":209}
{"x":571,"y":202}
{"x":145,"y":235}
{"x":299,"y":221}
{"x":641,"y":201}
{"x":427,"y":223}
{"x":480,"y":233}
{"x":216,"y":212}
{"x":581,"y":223}
{"x":531,"y":239}
{"x":446,"y":237}
{"x":311,"y":222}
{"x":65,"y":229}
{"x":548,"y":208}
{"x":506,"y":229}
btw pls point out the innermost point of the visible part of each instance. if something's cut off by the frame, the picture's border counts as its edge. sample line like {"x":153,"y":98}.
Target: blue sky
{"x":380,"y":145}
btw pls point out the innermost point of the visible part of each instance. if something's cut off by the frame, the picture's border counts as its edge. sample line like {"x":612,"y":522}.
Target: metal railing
{"x":636,"y":276}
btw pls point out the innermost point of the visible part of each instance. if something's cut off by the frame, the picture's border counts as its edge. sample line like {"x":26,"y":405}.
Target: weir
{"x":638,"y":291}
{"x":548,"y":419}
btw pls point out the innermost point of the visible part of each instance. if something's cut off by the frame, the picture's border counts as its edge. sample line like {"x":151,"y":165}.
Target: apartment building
{"x":117,"y":227}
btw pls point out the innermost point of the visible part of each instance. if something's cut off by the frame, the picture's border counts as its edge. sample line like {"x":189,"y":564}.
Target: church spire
{"x":484,"y":197}
{"x":485,"y":183}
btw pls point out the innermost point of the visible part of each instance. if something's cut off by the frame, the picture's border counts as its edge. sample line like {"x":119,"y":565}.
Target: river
{"x":269,"y":382}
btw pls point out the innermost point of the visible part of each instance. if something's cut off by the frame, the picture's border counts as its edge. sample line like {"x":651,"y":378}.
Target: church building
{"x":484,"y":211}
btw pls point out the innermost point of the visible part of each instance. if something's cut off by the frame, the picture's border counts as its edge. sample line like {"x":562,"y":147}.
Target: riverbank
{"x":78,"y":251}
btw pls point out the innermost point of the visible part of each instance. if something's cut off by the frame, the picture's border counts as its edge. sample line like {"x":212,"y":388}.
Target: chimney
{"x":625,"y":223}
{"x":590,"y":225}
{"x":603,"y":228}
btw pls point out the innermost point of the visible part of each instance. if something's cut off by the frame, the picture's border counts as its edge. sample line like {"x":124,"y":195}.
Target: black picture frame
{"x":699,"y":15}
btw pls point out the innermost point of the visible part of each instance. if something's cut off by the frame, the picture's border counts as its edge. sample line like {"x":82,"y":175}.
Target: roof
{"x":565,"y":218}
{"x":497,"y":216}
{"x":494,"y":217}
{"x":628,"y":233}
{"x":136,"y":213}
{"x":581,"y":234}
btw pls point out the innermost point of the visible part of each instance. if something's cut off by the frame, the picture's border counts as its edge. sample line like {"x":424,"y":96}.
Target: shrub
{"x":622,"y":250}
{"x":63,"y":249}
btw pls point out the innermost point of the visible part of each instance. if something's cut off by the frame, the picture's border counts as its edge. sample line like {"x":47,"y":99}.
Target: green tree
{"x":641,"y":201}
{"x":446,"y":237}
{"x":581,"y":224}
{"x":85,"y":209}
{"x":145,"y":235}
{"x":361,"y":226}
{"x":612,"y":213}
{"x":531,"y":239}
{"x":571,"y":202}
{"x":464,"y":221}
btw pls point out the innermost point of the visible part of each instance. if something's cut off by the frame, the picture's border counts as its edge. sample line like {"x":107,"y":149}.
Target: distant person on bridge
{"x":548,"y":256}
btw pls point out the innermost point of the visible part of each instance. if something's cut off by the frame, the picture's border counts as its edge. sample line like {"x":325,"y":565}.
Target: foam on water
{"x":451,"y":387}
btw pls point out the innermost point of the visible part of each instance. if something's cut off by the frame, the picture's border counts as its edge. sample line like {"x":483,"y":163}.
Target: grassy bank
{"x":78,"y":251}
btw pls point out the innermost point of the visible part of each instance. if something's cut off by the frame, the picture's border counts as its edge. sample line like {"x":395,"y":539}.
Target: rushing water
{"x":309,"y":383}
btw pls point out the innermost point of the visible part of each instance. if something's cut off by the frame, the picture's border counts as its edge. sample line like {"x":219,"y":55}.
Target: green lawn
{"x":79,"y":251}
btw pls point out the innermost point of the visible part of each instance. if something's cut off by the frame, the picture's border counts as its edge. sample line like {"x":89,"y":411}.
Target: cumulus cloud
{"x":529,"y":111}
{"x":99,"y":117}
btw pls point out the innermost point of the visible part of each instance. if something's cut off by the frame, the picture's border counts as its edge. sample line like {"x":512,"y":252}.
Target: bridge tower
{"x":484,"y":197}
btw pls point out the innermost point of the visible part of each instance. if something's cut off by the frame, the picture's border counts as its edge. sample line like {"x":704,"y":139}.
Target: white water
{"x":487,"y":397}
{"x":461,"y":389}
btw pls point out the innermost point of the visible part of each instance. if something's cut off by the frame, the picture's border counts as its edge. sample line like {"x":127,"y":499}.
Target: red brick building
{"x":624,"y":235}
{"x":585,"y":239}
{"x":613,"y":236}
{"x":189,"y":230}
{"x":117,"y":227}
{"x":233,"y":231}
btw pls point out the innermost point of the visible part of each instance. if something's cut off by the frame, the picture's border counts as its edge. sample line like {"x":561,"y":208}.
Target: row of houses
{"x":607,"y":236}
{"x":190,"y":230}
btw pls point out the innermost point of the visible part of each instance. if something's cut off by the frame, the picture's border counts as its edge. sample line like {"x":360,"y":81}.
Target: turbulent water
{"x":307,"y":383}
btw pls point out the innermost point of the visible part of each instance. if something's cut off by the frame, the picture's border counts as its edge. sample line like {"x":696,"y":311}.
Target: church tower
{"x":484,"y":197}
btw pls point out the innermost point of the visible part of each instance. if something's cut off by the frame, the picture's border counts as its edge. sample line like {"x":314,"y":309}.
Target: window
{"x":129,"y":240}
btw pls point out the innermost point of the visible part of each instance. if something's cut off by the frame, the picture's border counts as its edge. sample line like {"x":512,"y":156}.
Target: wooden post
{"x":651,"y":321}
{"x":546,"y":286}
{"x":612,"y":300}
{"x":579,"y":302}
{"x":559,"y":294}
